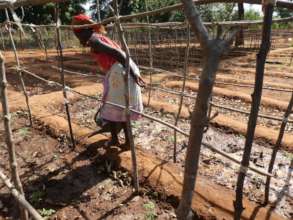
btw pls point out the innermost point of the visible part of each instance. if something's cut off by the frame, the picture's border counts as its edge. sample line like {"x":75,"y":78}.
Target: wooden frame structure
{"x":213,"y":50}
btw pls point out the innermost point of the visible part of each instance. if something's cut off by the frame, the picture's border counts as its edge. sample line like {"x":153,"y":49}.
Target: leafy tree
{"x":217,"y":12}
{"x":251,"y":14}
{"x":45,"y":14}
{"x":125,"y":8}
{"x":284,"y":12}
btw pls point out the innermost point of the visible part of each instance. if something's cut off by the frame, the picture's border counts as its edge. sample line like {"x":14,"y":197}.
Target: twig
{"x":20,"y":198}
{"x":186,"y":61}
{"x":8,"y":133}
{"x":60,"y":50}
{"x":126,"y":82}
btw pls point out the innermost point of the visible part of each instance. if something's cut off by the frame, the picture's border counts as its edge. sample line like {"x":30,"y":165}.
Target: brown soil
{"x":73,"y":185}
{"x":80,"y":171}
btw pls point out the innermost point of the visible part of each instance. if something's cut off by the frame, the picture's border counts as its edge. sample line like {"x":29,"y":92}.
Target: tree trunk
{"x":198,"y":123}
{"x":256,"y":98}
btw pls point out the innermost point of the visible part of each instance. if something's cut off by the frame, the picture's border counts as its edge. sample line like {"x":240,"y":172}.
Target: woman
{"x":111,"y":61}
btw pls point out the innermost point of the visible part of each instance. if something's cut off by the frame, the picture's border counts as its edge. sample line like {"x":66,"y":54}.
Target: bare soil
{"x":64,"y":184}
{"x":78,"y":185}
{"x":159,"y":140}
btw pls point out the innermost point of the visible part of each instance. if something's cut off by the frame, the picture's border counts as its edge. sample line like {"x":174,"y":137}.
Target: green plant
{"x":44,"y":212}
{"x":23,"y":132}
{"x":150,"y":211}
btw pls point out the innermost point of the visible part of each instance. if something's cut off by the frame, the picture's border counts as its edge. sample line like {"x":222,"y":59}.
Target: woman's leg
{"x":125,"y":133}
{"x":115,"y":128}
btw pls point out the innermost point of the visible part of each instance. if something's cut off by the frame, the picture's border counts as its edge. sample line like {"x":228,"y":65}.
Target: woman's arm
{"x":99,"y":46}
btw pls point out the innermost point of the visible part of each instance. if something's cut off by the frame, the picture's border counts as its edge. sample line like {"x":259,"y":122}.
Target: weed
{"x":46,"y":212}
{"x":150,"y":211}
{"x":24,"y":132}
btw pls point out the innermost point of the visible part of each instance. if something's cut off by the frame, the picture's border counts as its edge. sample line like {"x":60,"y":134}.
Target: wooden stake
{"x":8,"y":133}
{"x":20,"y":198}
{"x":150,"y":54}
{"x":186,"y":61}
{"x":276,"y":148}
{"x":3,"y":40}
{"x":18,"y":69}
{"x":60,"y":52}
{"x":256,"y":98}
{"x":127,"y":110}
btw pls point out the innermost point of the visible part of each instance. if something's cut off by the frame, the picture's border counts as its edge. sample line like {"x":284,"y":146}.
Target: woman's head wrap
{"x":83,"y":19}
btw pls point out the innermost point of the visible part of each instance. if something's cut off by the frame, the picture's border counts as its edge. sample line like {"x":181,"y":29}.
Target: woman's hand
{"x":140,"y":81}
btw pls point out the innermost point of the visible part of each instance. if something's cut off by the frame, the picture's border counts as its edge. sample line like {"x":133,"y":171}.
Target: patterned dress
{"x":114,"y":86}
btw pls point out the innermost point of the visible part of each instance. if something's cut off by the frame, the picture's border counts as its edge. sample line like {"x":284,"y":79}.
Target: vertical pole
{"x":256,"y":98}
{"x":276,"y":148}
{"x":20,"y":39}
{"x":150,"y":54}
{"x":8,"y":133}
{"x":98,"y":11}
{"x":186,"y":61}
{"x":19,"y":69}
{"x":42,"y":43}
{"x":60,"y":52}
{"x":126,"y":82}
{"x":2,"y":39}
{"x":240,"y":37}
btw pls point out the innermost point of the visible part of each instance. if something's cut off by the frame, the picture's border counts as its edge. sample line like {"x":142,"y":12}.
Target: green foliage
{"x":149,"y":5}
{"x":24,"y":132}
{"x":150,"y":211}
{"x":125,"y":8}
{"x":217,"y":12}
{"x":46,"y":212}
{"x":252,"y":14}
{"x":283,"y":12}
{"x":45,"y":14}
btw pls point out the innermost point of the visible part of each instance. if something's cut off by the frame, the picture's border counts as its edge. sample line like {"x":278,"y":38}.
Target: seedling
{"x":150,"y":211}
{"x":23,"y":132}
{"x":46,"y":212}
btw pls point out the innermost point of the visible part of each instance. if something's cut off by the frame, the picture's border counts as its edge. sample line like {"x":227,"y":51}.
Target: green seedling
{"x":46,"y":212}
{"x":150,"y":211}
{"x":24,"y":132}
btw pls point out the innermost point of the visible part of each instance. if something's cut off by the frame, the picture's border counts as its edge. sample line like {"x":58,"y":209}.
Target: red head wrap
{"x":83,"y":19}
